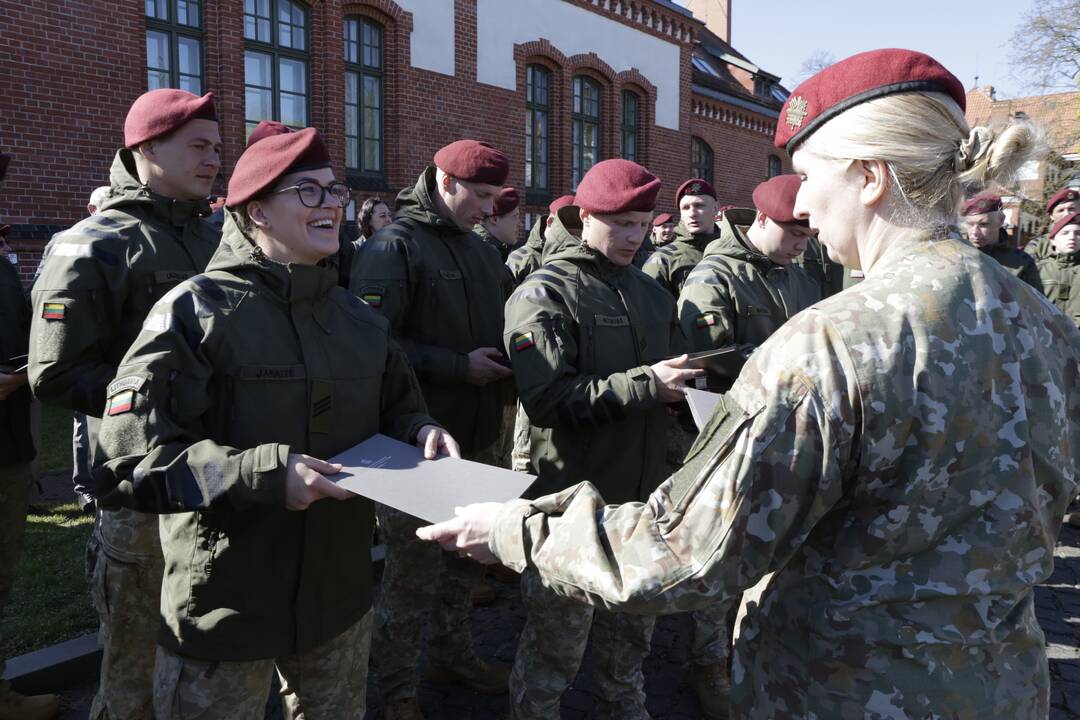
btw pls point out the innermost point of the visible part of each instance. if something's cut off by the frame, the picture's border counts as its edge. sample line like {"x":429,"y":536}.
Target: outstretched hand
{"x":468,"y":533}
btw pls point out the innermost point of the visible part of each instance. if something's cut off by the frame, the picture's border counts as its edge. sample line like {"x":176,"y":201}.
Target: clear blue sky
{"x":964,"y":35}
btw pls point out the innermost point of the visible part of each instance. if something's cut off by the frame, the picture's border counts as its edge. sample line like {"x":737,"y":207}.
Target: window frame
{"x":579,"y":119}
{"x":631,"y":129}
{"x":540,"y":156}
{"x":698,"y":166}
{"x":174,"y":30}
{"x":773,"y":162}
{"x":359,"y":172}
{"x":276,"y":52}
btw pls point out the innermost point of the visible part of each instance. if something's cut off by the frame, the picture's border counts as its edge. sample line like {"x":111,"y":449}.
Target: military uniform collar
{"x":902,"y":246}
{"x":126,"y":188}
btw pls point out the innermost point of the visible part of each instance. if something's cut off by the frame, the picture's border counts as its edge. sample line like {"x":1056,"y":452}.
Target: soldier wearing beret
{"x":242,"y":381}
{"x":500,"y":228}
{"x":895,"y":455}
{"x":671,"y":264}
{"x":983,"y":220}
{"x":100,"y":279}
{"x":527,"y":258}
{"x":1064,"y":202}
{"x":663,"y":230}
{"x":442,"y":289}
{"x":1060,"y":269}
{"x":588,"y":335}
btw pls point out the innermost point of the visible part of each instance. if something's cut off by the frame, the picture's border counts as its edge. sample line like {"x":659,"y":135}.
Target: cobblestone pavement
{"x":497,"y":627}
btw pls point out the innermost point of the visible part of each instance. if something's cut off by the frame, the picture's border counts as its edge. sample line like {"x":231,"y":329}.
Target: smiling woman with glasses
{"x":242,"y":379}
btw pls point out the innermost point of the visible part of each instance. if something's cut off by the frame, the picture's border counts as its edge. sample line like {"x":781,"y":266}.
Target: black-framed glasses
{"x":312,"y":193}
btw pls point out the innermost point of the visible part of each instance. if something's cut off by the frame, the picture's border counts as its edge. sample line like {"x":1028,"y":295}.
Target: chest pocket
{"x":612,"y":344}
{"x":258,"y":395}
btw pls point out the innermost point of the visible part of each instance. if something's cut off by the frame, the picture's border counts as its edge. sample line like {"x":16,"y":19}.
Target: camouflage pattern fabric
{"x":551,"y":648}
{"x":124,"y":568}
{"x":328,"y":682}
{"x":520,"y":454}
{"x":671,"y":264}
{"x":15,"y":482}
{"x":897,"y":455}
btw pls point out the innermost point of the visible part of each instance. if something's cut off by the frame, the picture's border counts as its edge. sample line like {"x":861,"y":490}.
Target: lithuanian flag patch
{"x":53,"y":311}
{"x":372,"y":299}
{"x":705,"y":320}
{"x":121,"y":402}
{"x":524,"y":341}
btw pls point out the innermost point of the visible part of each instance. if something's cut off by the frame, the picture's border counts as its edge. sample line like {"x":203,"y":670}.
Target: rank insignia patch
{"x":796,"y":111}
{"x":53,"y":311}
{"x":705,"y":320}
{"x":523,"y":341}
{"x":121,"y":402}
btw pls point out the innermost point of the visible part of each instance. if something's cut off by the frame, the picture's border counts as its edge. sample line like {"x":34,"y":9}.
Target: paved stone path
{"x":1057,"y":604}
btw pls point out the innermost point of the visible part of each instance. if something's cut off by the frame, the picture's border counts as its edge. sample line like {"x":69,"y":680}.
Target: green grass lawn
{"x":50,"y":601}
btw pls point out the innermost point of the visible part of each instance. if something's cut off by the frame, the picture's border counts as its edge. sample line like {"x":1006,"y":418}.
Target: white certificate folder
{"x":396,"y":474}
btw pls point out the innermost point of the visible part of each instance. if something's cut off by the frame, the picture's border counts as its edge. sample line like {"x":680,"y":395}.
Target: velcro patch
{"x":705,"y":320}
{"x":373,"y":299}
{"x":128,"y":382}
{"x":121,"y":402}
{"x":53,"y":311}
{"x":524,"y":341}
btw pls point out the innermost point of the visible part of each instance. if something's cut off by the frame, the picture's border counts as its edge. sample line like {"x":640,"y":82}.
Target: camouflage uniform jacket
{"x":234,"y":370}
{"x":99,"y":280}
{"x":672,"y":263}
{"x":16,"y":442}
{"x":736,"y":295}
{"x":1019,"y":263}
{"x":581,"y":333}
{"x":442,"y":289}
{"x":897,"y":455}
{"x":526,"y":257}
{"x":1060,"y":276}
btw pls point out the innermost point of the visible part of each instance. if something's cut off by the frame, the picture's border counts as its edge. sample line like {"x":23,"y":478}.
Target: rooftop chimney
{"x":716,"y":14}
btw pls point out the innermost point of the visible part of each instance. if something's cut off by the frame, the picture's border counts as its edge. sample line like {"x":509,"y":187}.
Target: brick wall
{"x":72,"y":69}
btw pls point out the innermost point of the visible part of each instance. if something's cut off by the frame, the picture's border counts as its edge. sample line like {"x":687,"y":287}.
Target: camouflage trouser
{"x":504,"y":446}
{"x":420,"y":576}
{"x":551,"y":648}
{"x":15,"y":482}
{"x":328,"y":682}
{"x":124,"y":567}
{"x":711,"y":642}
{"x":519,"y":458}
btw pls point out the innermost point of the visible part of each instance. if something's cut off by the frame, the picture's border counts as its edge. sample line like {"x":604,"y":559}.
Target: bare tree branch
{"x":1046,"y":46}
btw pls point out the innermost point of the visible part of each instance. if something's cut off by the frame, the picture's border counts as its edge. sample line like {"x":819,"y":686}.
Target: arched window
{"x":537,"y":127}
{"x":774,"y":167}
{"x":275,"y":62}
{"x":363,"y":96}
{"x":631,"y":111}
{"x":174,"y":54}
{"x":586,"y":132}
{"x":701,"y":159}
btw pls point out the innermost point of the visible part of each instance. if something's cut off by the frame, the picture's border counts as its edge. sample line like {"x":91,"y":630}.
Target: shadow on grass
{"x":50,"y":601}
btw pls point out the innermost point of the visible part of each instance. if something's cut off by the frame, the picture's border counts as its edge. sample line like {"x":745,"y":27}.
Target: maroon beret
{"x":1065,"y":194}
{"x":984,"y":202}
{"x":5,"y":161}
{"x":265,"y":129}
{"x":263,"y":164}
{"x":473,"y":161}
{"x":1070,"y":219}
{"x":617,"y":186}
{"x":506,"y":202}
{"x":663,"y":219}
{"x":559,"y":203}
{"x":695,"y":186}
{"x":159,"y":112}
{"x":776,"y":198}
{"x":855,"y":80}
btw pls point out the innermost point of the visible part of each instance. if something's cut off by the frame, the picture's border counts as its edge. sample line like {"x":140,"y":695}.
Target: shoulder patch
{"x":706,"y":319}
{"x":120,"y":403}
{"x":53,"y":311}
{"x":523,"y":341}
{"x":128,"y":382}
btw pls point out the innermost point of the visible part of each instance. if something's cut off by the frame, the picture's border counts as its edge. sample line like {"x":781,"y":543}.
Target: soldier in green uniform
{"x":16,"y":453}
{"x":442,"y":289}
{"x":671,"y":264}
{"x":1060,"y":269}
{"x":243,"y":380}
{"x":983,"y":220}
{"x":896,"y":455}
{"x":663,"y":230}
{"x":588,"y":335}
{"x":1064,"y":202}
{"x":523,"y":260}
{"x":500,"y":228}
{"x":745,"y":288}
{"x":100,"y":279}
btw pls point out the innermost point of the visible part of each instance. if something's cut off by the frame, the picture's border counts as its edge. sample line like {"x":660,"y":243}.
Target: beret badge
{"x":796,"y":111}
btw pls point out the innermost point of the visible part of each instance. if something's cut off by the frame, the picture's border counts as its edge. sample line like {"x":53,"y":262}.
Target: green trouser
{"x":15,"y":482}
{"x":326,"y":683}
{"x":551,"y":648}
{"x":124,"y":566}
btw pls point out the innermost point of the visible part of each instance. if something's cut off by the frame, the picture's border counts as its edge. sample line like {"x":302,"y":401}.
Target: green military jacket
{"x":16,"y":442}
{"x":671,"y":264}
{"x":234,"y":370}
{"x":442,"y":289}
{"x":898,"y":456}
{"x":488,"y":239}
{"x":526,"y":257}
{"x":826,"y":272}
{"x":736,"y":295}
{"x":581,"y":333}
{"x":1060,"y":276}
{"x":1019,"y":263}
{"x":99,"y":280}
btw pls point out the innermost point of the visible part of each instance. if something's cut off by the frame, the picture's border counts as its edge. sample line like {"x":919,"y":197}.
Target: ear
{"x":584,"y":215}
{"x":148,"y":150}
{"x":257,"y":215}
{"x":875,"y":180}
{"x":761,"y":219}
{"x":446,"y":182}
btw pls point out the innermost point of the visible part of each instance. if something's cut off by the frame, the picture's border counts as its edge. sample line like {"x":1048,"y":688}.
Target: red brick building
{"x":557,"y":84}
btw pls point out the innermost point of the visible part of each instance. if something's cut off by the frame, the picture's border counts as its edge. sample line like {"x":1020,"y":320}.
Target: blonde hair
{"x":931,"y":152}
